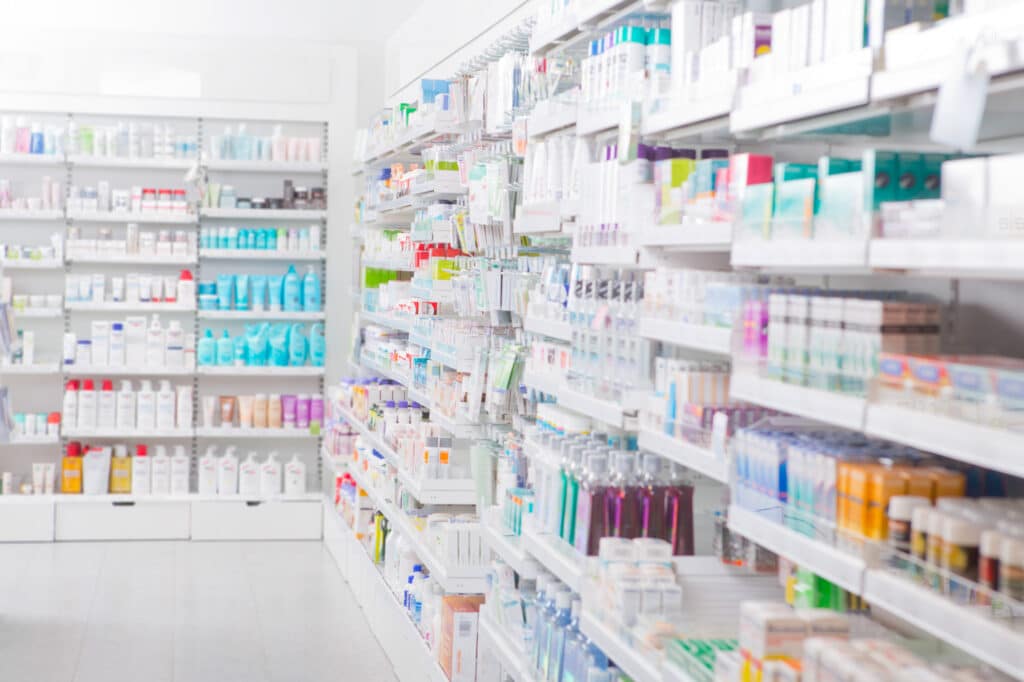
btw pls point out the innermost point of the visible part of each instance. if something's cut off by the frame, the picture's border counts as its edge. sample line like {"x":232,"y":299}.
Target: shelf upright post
{"x":197,"y":276}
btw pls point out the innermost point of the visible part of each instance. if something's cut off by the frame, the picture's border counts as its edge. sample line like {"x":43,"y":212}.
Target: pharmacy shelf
{"x":81,"y":498}
{"x":21,"y":159}
{"x":553,"y":329}
{"x":823,"y":406}
{"x":297,"y":316}
{"x":465,"y":581}
{"x":511,"y":658}
{"x":845,"y":570}
{"x":962,"y":258}
{"x":438,"y":189}
{"x":126,"y":307}
{"x":545,"y":122}
{"x":411,"y":141}
{"x":985,"y":446}
{"x":232,"y":166}
{"x":449,"y":359}
{"x":258,"y":214}
{"x":575,"y":25}
{"x":383,"y":264}
{"x":134,"y":259}
{"x":691,"y":456}
{"x":30,"y":264}
{"x":260,"y":254}
{"x":24,"y":215}
{"x":605,"y":255}
{"x":802,"y":255}
{"x":411,"y":658}
{"x":253,"y":432}
{"x":556,"y":556}
{"x":678,"y":120}
{"x":140,"y":163}
{"x":598,"y":121}
{"x":385,"y":320}
{"x":38,"y":313}
{"x":457,"y":428}
{"x":36,"y":369}
{"x":385,"y":371}
{"x":966,"y":628}
{"x":706,"y":238}
{"x":18,"y":441}
{"x":509,"y":547}
{"x":717,"y":340}
{"x":133,"y":434}
{"x":152,"y":217}
{"x":629,"y":658}
{"x":111,"y":371}
{"x":265,"y":372}
{"x":539,"y":217}
{"x":606,"y":411}
{"x":417,"y":395}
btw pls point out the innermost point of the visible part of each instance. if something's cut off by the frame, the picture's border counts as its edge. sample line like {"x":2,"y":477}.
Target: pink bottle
{"x":621,"y":507}
{"x":678,"y":512}
{"x":590,"y":526}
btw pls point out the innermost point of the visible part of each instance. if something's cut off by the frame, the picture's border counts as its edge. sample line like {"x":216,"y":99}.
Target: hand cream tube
{"x":227,"y":410}
{"x":245,"y":404}
{"x":209,"y":410}
{"x":259,"y":411}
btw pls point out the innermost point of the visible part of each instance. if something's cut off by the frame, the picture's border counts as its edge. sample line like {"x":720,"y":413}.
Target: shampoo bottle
{"x":225,"y":350}
{"x":208,"y":473}
{"x":227,"y":473}
{"x":156,"y":343}
{"x":125,"y":408}
{"x":71,"y":470}
{"x":179,"y":471}
{"x":141,"y":483}
{"x":249,"y":477}
{"x":145,"y":407}
{"x":87,"y":406}
{"x":69,"y":409}
{"x":174,"y":353}
{"x":121,"y":470}
{"x":292,"y":296}
{"x":165,"y":405}
{"x":310,"y":291}
{"x":207,"y":349}
{"x":270,"y":477}
{"x":107,"y":409}
{"x":184,"y":407}
{"x":297,"y":346}
{"x":295,"y":477}
{"x":317,"y":345}
{"x":161,"y":472}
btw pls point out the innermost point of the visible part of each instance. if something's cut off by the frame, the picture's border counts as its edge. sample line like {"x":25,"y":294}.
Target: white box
{"x":686,"y":37}
{"x":1005,"y":210}
{"x":816,"y":51}
{"x":26,"y":520}
{"x":965,"y":190}
{"x":799,"y":37}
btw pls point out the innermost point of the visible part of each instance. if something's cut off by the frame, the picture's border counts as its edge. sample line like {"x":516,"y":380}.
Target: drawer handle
{"x":253,"y":503}
{"x":124,"y":503}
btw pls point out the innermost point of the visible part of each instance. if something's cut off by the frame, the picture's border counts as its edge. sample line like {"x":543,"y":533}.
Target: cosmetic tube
{"x":288,"y":410}
{"x":49,"y":477}
{"x":227,"y":410}
{"x":38,"y":473}
{"x":209,"y":410}
{"x":245,"y":411}
{"x":259,"y":411}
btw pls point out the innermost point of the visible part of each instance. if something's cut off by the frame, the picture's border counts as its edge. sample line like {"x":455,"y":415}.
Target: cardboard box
{"x":460,"y":616}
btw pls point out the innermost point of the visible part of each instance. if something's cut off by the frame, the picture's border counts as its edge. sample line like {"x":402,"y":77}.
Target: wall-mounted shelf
{"x":298,"y":316}
{"x":283,"y":167}
{"x":265,"y":372}
{"x":260,"y":254}
{"x":258,"y":214}
{"x":152,"y":217}
{"x":153,"y":163}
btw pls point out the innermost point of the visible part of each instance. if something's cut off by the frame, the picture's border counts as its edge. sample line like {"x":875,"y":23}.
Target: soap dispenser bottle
{"x":179,"y":471}
{"x":165,"y":406}
{"x":310,"y":291}
{"x":156,"y":343}
{"x":225,"y":350}
{"x":145,"y":407}
{"x":206,"y":352}
{"x":125,"y":408}
{"x":270,"y":477}
{"x":107,"y":406}
{"x":295,"y":477}
{"x":208,"y":473}
{"x":141,"y":471}
{"x":87,"y":406}
{"x":161,"y":472}
{"x":249,"y":477}
{"x":227,"y":473}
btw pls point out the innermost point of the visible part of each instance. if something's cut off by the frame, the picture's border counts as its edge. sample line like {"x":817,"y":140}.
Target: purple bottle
{"x":621,"y":518}
{"x":593,"y":489}
{"x":651,"y":499}
{"x":678,"y":508}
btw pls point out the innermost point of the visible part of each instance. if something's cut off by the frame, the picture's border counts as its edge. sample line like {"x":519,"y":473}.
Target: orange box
{"x":459,"y":620}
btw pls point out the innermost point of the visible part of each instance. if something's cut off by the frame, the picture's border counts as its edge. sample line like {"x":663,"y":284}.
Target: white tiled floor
{"x":182,"y":612}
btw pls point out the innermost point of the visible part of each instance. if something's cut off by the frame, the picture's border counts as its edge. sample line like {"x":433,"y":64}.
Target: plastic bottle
{"x":249,"y":477}
{"x":87,"y":405}
{"x":317,"y":345}
{"x":679,"y":511}
{"x":161,"y":472}
{"x":174,"y":351}
{"x":621,"y":498}
{"x":156,"y":343}
{"x":292,"y":301}
{"x":165,"y":406}
{"x":125,"y":407}
{"x":571,"y":488}
{"x":295,"y":477}
{"x":71,"y":469}
{"x":207,"y":472}
{"x":651,"y":498}
{"x":297,"y":346}
{"x":117,"y":347}
{"x":310,"y":291}
{"x":590,"y":505}
{"x":270,"y":477}
{"x":186,"y":288}
{"x":106,"y":410}
{"x":206,"y":351}
{"x":556,"y":640}
{"x":180,"y":466}
{"x":544,"y":580}
{"x":145,"y":407}
{"x":142,"y":483}
{"x":69,"y":408}
{"x":225,"y":350}
{"x":121,"y":471}
{"x":547,"y":622}
{"x":227,"y":473}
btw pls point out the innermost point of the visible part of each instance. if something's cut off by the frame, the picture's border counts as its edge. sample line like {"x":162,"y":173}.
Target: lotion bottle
{"x":174,"y":354}
{"x":249,"y":477}
{"x":87,"y":406}
{"x":161,"y":472}
{"x":107,"y":410}
{"x":69,"y":409}
{"x":295,"y":477}
{"x":165,"y":403}
{"x":121,"y":470}
{"x":125,"y":408}
{"x":208,"y":473}
{"x":270,"y":477}
{"x":156,"y":343}
{"x":184,"y":407}
{"x":227,"y":473}
{"x":145,"y":407}
{"x":179,"y":471}
{"x":141,"y":483}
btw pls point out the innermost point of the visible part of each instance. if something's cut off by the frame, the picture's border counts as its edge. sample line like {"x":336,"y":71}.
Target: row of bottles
{"x":559,"y":651}
{"x":586,"y":489}
{"x":98,"y":470}
{"x":85,"y":408}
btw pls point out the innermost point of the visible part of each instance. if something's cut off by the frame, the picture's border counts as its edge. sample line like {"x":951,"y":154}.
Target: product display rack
{"x":217,"y":522}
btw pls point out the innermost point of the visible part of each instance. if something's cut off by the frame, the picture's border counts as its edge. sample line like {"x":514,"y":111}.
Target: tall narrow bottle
{"x":545,"y":582}
{"x":651,"y":498}
{"x":678,"y":511}
{"x":621,"y":506}
{"x":556,"y":640}
{"x":572,"y":489}
{"x":590,"y":526}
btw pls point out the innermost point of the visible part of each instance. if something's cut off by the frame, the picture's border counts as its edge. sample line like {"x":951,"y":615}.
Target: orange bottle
{"x":71,"y":470}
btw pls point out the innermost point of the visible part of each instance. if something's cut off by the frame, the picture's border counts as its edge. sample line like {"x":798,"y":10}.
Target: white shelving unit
{"x":632,"y":661}
{"x":511,"y":658}
{"x":279,"y":167}
{"x":151,"y":218}
{"x":233,"y":432}
{"x":261,"y":254}
{"x":689,"y":455}
{"x":29,"y":215}
{"x":134,"y":259}
{"x":132,"y":307}
{"x":258,"y":214}
{"x":509,"y":547}
{"x":258,"y":372}
{"x":113,"y":371}
{"x":717,"y":340}
{"x":155,"y":163}
{"x":556,"y":556}
{"x":260,"y":315}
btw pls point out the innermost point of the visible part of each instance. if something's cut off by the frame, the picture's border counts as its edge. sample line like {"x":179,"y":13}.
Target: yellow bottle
{"x":120,"y":470}
{"x":71,"y":470}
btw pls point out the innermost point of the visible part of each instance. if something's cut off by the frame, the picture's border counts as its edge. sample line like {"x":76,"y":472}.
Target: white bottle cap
{"x":901,"y":507}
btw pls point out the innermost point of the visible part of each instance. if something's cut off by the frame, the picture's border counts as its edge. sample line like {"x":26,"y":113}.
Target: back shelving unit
{"x":39,"y":386}
{"x":879,"y":92}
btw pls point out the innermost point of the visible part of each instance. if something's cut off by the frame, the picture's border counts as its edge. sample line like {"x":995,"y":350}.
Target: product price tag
{"x":961,"y":102}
